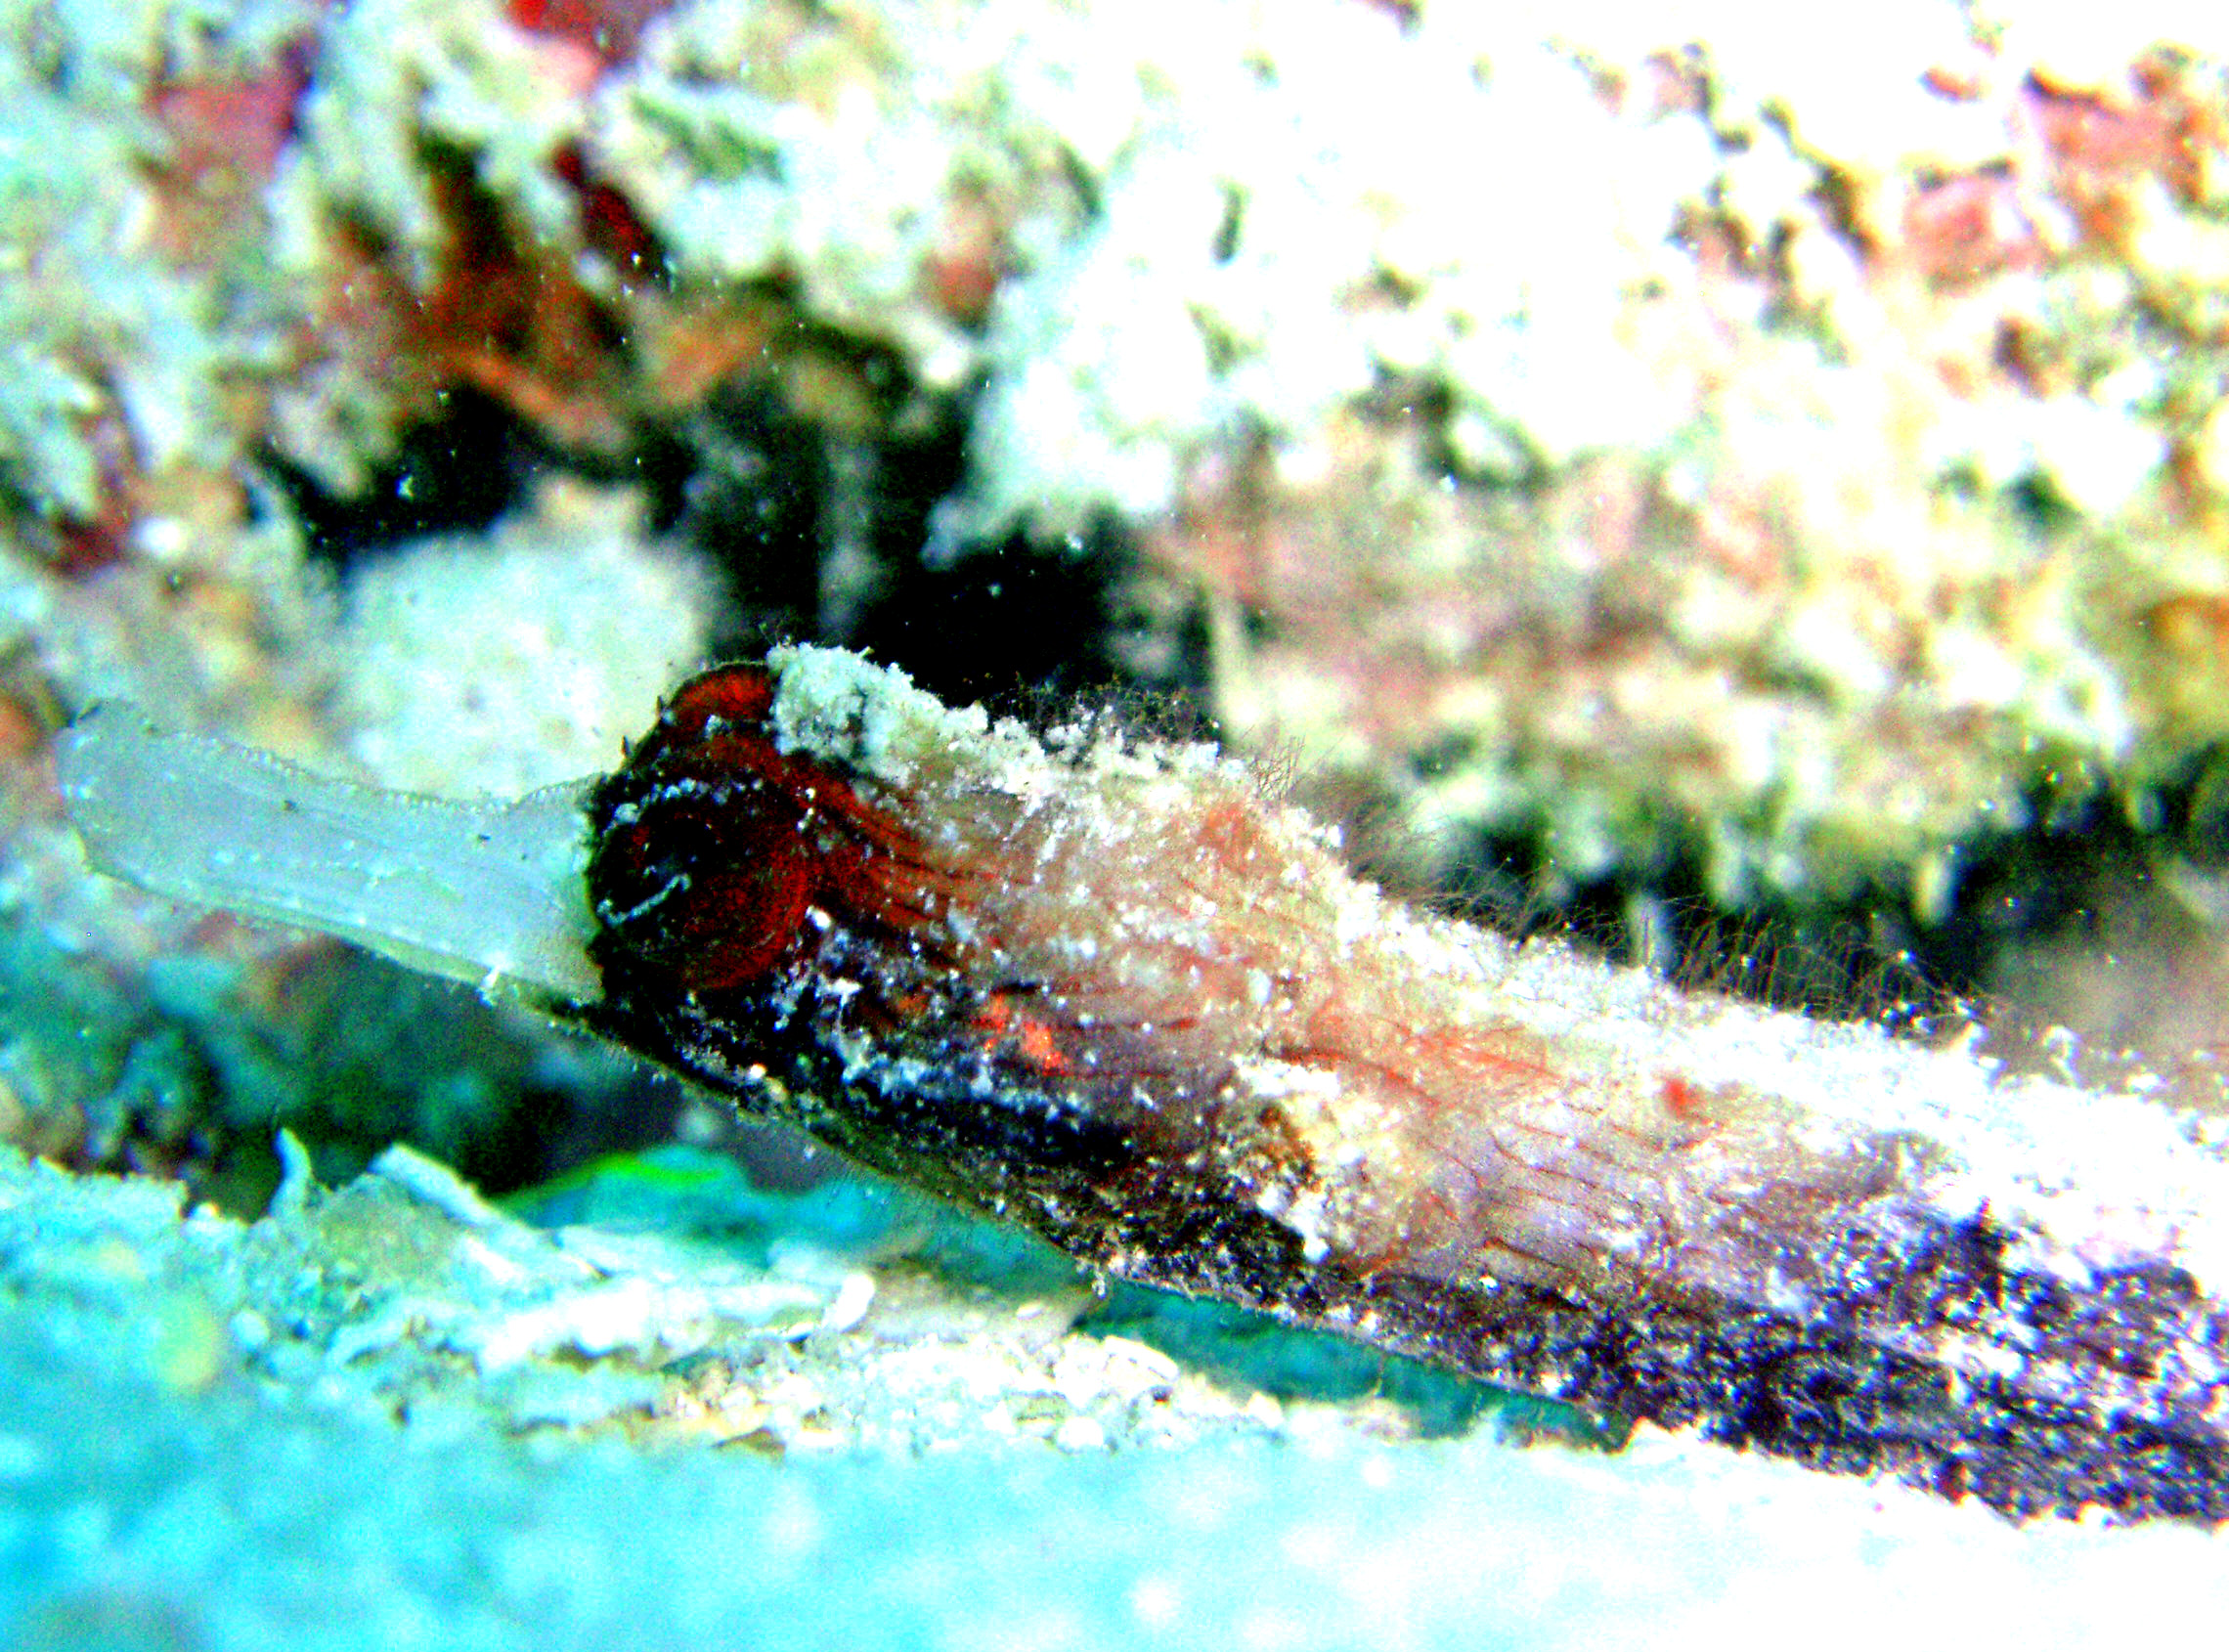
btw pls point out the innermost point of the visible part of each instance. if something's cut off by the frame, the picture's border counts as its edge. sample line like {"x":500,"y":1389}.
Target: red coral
{"x":971,"y":257}
{"x":1963,"y":227}
{"x":231,"y":128}
{"x":2099,"y":143}
{"x":608,"y":28}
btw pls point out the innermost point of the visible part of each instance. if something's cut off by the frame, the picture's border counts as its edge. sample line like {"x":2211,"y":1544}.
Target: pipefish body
{"x":1118,"y":993}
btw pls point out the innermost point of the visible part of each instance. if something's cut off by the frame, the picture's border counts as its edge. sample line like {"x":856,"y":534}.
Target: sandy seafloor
{"x":339,"y":1426}
{"x":140,"y":1520}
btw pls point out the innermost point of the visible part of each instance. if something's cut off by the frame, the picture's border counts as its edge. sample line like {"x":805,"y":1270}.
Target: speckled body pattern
{"x":1121,"y":996}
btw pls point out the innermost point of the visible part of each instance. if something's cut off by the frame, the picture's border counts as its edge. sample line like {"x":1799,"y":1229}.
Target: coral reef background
{"x":1721,"y":473}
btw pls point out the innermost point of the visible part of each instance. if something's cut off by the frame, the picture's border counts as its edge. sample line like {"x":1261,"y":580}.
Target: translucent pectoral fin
{"x":488,"y":891}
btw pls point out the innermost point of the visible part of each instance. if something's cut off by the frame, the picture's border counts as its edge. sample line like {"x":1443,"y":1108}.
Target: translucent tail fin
{"x":487,"y":891}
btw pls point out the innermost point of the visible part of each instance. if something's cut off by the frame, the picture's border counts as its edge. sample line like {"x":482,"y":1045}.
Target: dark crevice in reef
{"x":811,"y":485}
{"x":454,"y":474}
{"x":821,"y":538}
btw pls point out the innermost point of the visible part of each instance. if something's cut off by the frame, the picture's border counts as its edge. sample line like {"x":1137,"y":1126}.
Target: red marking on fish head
{"x":715,"y":848}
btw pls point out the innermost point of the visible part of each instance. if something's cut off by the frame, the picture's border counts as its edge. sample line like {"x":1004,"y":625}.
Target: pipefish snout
{"x":1115,"y":992}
